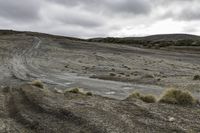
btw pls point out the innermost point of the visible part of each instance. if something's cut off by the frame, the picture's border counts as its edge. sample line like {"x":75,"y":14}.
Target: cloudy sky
{"x":100,"y":18}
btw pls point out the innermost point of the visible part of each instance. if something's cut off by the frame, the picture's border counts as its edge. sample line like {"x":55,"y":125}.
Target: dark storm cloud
{"x":92,"y":18}
{"x":19,"y":10}
{"x":117,"y":6}
{"x":182,"y":10}
{"x":132,"y":7}
{"x":82,"y":19}
{"x":188,"y":14}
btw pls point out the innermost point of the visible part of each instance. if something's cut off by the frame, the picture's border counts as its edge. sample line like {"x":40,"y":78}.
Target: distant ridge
{"x":7,"y":32}
{"x":154,"y":41}
{"x":158,"y":37}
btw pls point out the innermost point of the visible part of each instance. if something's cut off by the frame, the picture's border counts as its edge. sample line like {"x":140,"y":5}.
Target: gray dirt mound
{"x":31,"y":109}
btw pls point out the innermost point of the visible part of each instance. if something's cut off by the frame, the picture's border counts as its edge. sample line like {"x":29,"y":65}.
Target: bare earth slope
{"x":107,"y":70}
{"x":67,"y":62}
{"x":29,"y":109}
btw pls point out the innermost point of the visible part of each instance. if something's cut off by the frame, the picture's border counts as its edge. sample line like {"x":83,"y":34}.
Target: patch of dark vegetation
{"x":112,"y":74}
{"x":78,"y":91}
{"x":122,"y":73}
{"x":156,"y":41}
{"x":89,"y":94}
{"x":196,"y":77}
{"x":113,"y":70}
{"x":148,"y":76}
{"x":175,"y":96}
{"x":8,"y":32}
{"x":75,"y":90}
{"x":144,"y":98}
{"x":66,"y":66}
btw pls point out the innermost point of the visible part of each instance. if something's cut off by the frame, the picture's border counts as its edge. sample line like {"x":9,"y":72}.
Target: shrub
{"x":75,"y":90}
{"x":196,"y":77}
{"x":148,"y":99}
{"x":112,"y":74}
{"x":113,"y":69}
{"x":144,"y":98}
{"x":135,"y":95}
{"x":38,"y":83}
{"x":89,"y":93}
{"x":174,"y":96}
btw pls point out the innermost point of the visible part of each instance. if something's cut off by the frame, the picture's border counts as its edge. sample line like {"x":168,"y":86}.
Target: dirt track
{"x":66,"y":63}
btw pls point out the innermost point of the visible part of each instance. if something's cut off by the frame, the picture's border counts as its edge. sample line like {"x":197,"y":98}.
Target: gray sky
{"x":100,"y":18}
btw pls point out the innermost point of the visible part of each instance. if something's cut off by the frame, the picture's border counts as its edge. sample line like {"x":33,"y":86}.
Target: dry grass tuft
{"x":38,"y":83}
{"x":145,"y":98}
{"x":175,"y":96}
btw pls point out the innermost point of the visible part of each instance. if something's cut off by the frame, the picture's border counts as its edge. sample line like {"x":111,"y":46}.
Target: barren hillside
{"x":111,"y":71}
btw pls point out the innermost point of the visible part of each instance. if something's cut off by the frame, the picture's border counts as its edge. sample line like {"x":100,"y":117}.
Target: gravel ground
{"x":111,"y":70}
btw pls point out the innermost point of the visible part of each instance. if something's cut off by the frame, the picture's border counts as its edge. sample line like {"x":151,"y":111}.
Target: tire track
{"x":25,"y":66}
{"x":19,"y":65}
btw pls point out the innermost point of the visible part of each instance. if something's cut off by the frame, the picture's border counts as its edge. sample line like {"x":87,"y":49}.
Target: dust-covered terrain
{"x":111,"y":70}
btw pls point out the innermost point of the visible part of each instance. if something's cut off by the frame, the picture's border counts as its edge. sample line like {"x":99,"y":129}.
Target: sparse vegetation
{"x":75,"y":90}
{"x":89,"y":93}
{"x":153,"y":41}
{"x":112,"y":74}
{"x":113,"y":69}
{"x":38,"y":83}
{"x":148,"y":76}
{"x":148,"y":99}
{"x":175,"y":96}
{"x":78,"y":91}
{"x":145,"y":98}
{"x":196,"y":77}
